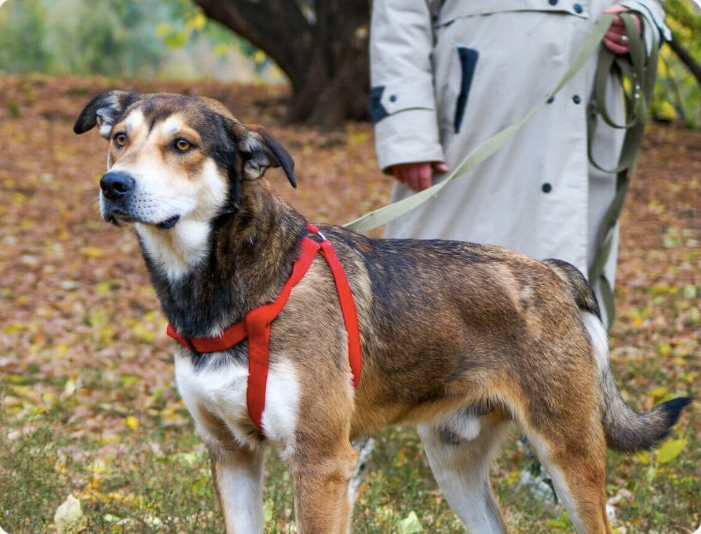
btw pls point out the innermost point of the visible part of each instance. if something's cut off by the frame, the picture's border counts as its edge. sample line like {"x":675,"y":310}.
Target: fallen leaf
{"x":670,"y":450}
{"x":68,"y":516}
{"x":410,"y":524}
{"x":132,"y":422}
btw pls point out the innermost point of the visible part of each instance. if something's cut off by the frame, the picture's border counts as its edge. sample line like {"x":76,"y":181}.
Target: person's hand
{"x":418,"y":175}
{"x":616,"y":38}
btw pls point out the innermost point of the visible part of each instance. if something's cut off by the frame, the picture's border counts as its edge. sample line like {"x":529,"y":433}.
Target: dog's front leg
{"x":322,"y":489}
{"x":238,"y":479}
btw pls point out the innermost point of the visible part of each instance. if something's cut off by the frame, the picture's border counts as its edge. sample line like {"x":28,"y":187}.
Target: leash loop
{"x":639,"y":68}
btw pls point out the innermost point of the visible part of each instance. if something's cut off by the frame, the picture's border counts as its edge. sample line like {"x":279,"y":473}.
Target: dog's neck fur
{"x":224,"y":282}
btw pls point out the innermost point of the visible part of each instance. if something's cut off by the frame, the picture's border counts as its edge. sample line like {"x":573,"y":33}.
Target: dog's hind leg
{"x":238,"y":480}
{"x":577,"y":467}
{"x":460,"y":463}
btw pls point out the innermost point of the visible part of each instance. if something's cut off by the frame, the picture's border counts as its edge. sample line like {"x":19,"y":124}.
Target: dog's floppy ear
{"x":259,"y":151}
{"x":104,"y":111}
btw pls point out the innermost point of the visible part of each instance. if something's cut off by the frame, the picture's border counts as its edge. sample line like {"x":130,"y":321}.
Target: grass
{"x":151,"y":482}
{"x":30,"y":481}
{"x":155,"y":479}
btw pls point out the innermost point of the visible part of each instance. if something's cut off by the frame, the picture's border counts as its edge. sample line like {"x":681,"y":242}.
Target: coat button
{"x":546,"y":187}
{"x":576,"y":99}
{"x":550,"y":100}
{"x":552,"y":2}
{"x":392,"y":98}
{"x":578,"y":8}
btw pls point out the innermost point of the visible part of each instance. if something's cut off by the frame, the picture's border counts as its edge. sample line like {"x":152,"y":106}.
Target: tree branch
{"x":321,"y":45}
{"x":277,"y":27}
{"x":685,"y":57}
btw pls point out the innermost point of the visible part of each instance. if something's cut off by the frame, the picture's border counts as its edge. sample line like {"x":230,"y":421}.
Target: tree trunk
{"x":321,"y":46}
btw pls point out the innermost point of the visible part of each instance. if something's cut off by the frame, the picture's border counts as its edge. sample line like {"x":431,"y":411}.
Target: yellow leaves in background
{"x":670,"y":450}
{"x":662,"y":458}
{"x":561,"y":522}
{"x":26,"y":399}
{"x":149,"y":327}
{"x":131,"y":422}
{"x":92,"y":252}
{"x":259,"y":57}
{"x":195,"y":21}
{"x":221,"y":49}
{"x":661,"y":394}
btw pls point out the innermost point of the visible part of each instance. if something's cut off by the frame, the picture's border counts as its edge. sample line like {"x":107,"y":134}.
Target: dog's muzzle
{"x":119,"y":202}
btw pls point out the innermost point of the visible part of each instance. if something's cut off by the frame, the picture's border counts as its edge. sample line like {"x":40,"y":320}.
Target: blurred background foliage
{"x":174,"y":39}
{"x":678,"y":90}
{"x":124,"y":39}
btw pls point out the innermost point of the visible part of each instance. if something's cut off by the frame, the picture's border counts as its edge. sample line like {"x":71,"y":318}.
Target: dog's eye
{"x":182,"y":145}
{"x":120,"y":139}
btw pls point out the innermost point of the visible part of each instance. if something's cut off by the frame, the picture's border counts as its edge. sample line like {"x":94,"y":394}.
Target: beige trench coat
{"x":448,"y":75}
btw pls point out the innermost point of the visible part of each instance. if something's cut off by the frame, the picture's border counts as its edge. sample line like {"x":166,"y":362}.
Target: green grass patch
{"x":152,"y":477}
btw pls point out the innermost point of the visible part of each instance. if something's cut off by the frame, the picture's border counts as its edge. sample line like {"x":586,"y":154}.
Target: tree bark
{"x":321,"y":46}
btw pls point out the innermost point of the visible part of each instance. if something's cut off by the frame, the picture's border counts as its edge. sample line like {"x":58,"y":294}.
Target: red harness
{"x":256,"y":325}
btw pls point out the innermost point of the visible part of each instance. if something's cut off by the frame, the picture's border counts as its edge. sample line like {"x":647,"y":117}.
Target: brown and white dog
{"x":459,"y":339}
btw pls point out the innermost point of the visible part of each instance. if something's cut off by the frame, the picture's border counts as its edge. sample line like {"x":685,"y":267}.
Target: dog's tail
{"x":625,"y":429}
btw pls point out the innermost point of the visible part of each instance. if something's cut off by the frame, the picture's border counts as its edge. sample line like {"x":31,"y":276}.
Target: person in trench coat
{"x":448,"y":74}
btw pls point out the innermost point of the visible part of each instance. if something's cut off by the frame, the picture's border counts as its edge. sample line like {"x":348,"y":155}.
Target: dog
{"x":461,"y":340}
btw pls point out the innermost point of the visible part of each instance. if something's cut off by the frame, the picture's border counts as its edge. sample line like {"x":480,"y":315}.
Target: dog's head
{"x":175,"y":158}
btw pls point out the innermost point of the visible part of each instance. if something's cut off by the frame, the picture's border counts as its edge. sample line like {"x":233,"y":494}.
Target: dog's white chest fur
{"x":220,"y":391}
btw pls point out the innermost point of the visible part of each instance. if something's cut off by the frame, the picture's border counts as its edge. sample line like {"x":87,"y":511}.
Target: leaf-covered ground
{"x":87,"y":402}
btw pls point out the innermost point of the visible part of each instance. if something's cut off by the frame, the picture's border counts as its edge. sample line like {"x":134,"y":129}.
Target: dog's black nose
{"x":117,"y":184}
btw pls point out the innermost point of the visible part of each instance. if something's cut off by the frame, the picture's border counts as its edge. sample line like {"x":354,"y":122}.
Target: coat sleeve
{"x":402,"y":101}
{"x":652,"y":12}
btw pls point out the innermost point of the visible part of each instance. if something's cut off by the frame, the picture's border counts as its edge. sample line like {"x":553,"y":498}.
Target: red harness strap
{"x":256,"y":326}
